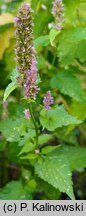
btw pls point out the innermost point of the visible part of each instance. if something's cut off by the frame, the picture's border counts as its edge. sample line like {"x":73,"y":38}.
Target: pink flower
{"x":27,"y":113}
{"x":16,"y":20}
{"x":57,"y":12}
{"x":31,"y":88}
{"x":25,"y":52}
{"x":25,"y":7}
{"x":48,"y":100}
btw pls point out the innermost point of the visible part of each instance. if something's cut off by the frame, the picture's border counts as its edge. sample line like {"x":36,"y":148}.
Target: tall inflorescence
{"x":57,"y":11}
{"x":48,"y":100}
{"x":25,"y":52}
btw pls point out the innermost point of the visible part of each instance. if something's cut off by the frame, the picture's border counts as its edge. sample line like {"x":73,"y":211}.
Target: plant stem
{"x":79,"y":66}
{"x":54,"y":58}
{"x":34,"y":122}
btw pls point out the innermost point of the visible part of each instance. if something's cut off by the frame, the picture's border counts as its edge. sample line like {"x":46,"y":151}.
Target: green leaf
{"x":81,"y":51}
{"x":2,"y":145}
{"x":12,"y":128}
{"x":29,"y":136}
{"x":56,"y":168}
{"x":8,"y":191}
{"x":52,"y":35}
{"x":44,"y":138}
{"x":14,"y":191}
{"x":68,"y":45}
{"x":44,"y":16}
{"x":13,"y":151}
{"x":71,"y":8}
{"x":30,"y":156}
{"x":56,"y":172}
{"x":75,"y":156}
{"x":78,"y":109}
{"x":70,"y":138}
{"x":28,"y":146}
{"x":25,"y":173}
{"x":14,"y":75}
{"x":48,"y":149}
{"x":68,"y":84}
{"x":56,"y":117}
{"x":49,"y":191}
{"x":41,"y":62}
{"x":42,"y":40}
{"x":11,"y":87}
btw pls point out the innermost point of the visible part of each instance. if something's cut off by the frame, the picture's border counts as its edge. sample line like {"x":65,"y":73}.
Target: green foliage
{"x":12,"y":128}
{"x":2,"y":145}
{"x":44,"y":138}
{"x":52,"y":36}
{"x":43,"y":40}
{"x":69,"y":42}
{"x":28,"y":146}
{"x":64,"y":137}
{"x":20,"y":192}
{"x":49,"y":191}
{"x":56,"y":117}
{"x":11,"y":87}
{"x":75,"y":156}
{"x":57,"y":166}
{"x":56,"y":173}
{"x":81,"y":112}
{"x":68,"y":84}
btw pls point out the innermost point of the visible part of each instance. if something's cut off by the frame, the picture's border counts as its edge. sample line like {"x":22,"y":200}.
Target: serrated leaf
{"x":42,"y":40}
{"x":57,"y":167}
{"x":56,"y":117}
{"x":68,"y":84}
{"x":12,"y":128}
{"x":10,"y":88}
{"x":56,"y":172}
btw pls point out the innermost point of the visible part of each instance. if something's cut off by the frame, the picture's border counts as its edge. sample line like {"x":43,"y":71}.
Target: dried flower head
{"x":48,"y":100}
{"x":57,"y":11}
{"x":25,"y":52}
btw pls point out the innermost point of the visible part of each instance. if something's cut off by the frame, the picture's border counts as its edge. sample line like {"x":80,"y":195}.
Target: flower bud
{"x":48,"y":100}
{"x":57,"y":12}
{"x":27,"y":113}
